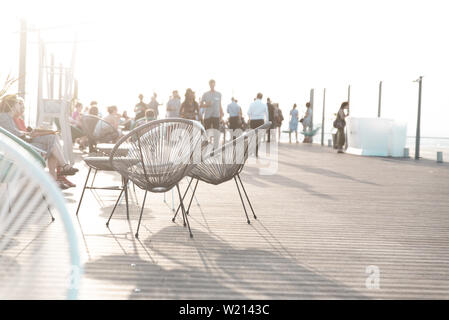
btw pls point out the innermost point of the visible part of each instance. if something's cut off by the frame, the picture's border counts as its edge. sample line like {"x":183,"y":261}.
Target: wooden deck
{"x":323,"y":219}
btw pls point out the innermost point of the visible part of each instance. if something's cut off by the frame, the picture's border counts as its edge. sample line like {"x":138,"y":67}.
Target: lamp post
{"x":349,"y":106}
{"x":322,"y":118}
{"x":312,"y":99}
{"x":380,"y":99}
{"x":22,"y":58}
{"x":418,"y":124}
{"x":349,"y":94}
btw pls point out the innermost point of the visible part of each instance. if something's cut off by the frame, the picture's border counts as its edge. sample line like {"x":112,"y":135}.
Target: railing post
{"x":22,"y":58}
{"x":418,"y":124}
{"x":322,"y":119}
{"x":312,"y":98}
{"x":380,"y":100}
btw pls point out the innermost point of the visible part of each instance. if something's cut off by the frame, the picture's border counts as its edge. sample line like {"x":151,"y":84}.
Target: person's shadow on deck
{"x":223,"y":272}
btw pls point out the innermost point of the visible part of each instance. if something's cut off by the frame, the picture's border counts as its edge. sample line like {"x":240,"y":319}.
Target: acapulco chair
{"x":39,"y":259}
{"x":226,"y":163}
{"x":160,"y":154}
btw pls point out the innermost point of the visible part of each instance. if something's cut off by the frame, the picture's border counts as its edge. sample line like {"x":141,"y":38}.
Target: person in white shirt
{"x":257,"y":112}
{"x":258,"y":115}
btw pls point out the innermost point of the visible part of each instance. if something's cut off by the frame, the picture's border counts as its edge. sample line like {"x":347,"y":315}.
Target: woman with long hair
{"x":340,"y":124}
{"x":293,"y":124}
{"x":190,"y":108}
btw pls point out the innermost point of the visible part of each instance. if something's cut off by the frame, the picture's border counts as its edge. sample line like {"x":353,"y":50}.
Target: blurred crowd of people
{"x":208,"y":110}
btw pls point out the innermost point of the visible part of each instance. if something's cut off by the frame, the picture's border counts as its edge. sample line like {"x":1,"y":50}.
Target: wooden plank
{"x":322,"y":220}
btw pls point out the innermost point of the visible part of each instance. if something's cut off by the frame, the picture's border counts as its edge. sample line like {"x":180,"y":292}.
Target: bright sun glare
{"x":280,"y":48}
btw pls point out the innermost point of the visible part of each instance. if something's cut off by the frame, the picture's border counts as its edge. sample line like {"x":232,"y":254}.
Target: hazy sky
{"x":281,"y":48}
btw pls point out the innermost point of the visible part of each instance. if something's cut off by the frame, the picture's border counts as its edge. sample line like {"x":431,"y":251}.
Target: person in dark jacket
{"x":340,"y":124}
{"x":270,"y":117}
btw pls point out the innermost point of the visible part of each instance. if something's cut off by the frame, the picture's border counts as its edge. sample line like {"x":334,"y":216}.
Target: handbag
{"x":339,"y":123}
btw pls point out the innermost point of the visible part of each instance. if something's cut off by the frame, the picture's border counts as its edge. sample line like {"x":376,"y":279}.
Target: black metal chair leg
{"x":183,"y":215}
{"x":84,"y":189}
{"x":126,"y":198}
{"x":93,"y":180}
{"x":184,"y":211}
{"x":51,"y":215}
{"x":48,"y":208}
{"x":179,"y":206}
{"x":115,"y":206}
{"x":193,"y":195}
{"x":141,"y":212}
{"x":243,"y":204}
{"x":247,"y":198}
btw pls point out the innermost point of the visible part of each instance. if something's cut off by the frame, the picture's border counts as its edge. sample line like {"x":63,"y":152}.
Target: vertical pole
{"x":39,"y":81}
{"x":322,"y":118}
{"x":61,"y":71}
{"x":52,"y":76}
{"x":75,"y":90}
{"x":418,"y":125}
{"x":22,"y":58}
{"x":71,"y":75}
{"x":349,"y":106}
{"x":349,"y":95}
{"x":312,"y":97}
{"x":380,"y":100}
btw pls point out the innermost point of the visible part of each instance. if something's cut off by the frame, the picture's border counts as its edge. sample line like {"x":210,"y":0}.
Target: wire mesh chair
{"x":38,"y":259}
{"x":101,"y":163}
{"x":98,"y":131}
{"x":226,"y":163}
{"x":160,"y":154}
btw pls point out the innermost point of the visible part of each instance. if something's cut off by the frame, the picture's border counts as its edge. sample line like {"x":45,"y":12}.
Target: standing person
{"x":293,"y":124}
{"x":190,"y":108}
{"x":140,"y":108}
{"x":235,"y":117}
{"x":154,"y":105}
{"x":173,"y":106}
{"x":278,"y":118}
{"x":340,"y":124}
{"x":258,"y":115}
{"x":213,"y":111}
{"x":270,"y":117}
{"x":307,"y":123}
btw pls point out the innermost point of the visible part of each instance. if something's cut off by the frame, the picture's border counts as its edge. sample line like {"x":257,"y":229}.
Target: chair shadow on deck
{"x":10,"y":267}
{"x":326,"y":172}
{"x":207,"y":267}
{"x":251,"y":175}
